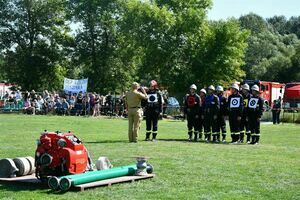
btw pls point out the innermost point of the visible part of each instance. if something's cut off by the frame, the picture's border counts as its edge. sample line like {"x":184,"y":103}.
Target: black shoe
{"x":253,"y":140}
{"x":195,"y":138}
{"x":147,"y":136}
{"x":154,"y":137}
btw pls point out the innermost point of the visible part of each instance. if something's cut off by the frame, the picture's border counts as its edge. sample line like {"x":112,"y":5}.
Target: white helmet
{"x":235,"y":86}
{"x":193,"y":86}
{"x":219,"y":89}
{"x":203,"y":90}
{"x":211,"y":87}
{"x":255,"y":88}
{"x":246,"y":87}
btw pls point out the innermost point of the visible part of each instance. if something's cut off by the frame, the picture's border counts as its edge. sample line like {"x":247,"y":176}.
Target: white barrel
{"x":8,"y":168}
{"x":23,"y":165}
{"x":32,"y":164}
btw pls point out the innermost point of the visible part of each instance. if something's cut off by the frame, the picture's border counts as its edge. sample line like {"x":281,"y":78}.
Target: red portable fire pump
{"x":59,"y":154}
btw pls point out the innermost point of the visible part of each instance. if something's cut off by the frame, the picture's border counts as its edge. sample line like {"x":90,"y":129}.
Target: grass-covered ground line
{"x":184,"y":170}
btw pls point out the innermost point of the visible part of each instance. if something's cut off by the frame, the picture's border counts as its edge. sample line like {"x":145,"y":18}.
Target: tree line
{"x":115,"y":42}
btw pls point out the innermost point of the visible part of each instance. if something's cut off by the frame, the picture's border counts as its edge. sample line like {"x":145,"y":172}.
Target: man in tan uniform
{"x":135,"y":111}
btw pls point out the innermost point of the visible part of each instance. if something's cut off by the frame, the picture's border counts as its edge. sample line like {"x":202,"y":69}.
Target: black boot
{"x":200,"y":136}
{"x":190,"y":133}
{"x":214,"y":138}
{"x":208,"y":137}
{"x":257,"y":139}
{"x":237,"y":137}
{"x":154,"y":137}
{"x":223,"y":137}
{"x":205,"y":137}
{"x":148,"y":133}
{"x":195,"y":136}
{"x":248,"y":137}
{"x":218,"y":137}
{"x":253,"y":139}
{"x":242,"y":134}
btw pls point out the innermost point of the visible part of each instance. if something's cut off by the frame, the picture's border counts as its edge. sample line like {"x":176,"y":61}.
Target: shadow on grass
{"x":186,"y":141}
{"x":106,"y":141}
{"x":18,"y":186}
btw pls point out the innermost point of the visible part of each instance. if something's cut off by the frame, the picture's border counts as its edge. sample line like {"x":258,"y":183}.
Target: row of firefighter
{"x":206,"y":113}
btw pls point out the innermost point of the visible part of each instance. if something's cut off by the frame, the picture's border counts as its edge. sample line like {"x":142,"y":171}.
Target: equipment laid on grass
{"x":20,"y":166}
{"x":60,"y":154}
{"x":64,"y":183}
{"x":63,"y":160}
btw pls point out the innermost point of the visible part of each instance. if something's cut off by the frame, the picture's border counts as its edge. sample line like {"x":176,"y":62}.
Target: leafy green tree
{"x":255,"y":23}
{"x":33,"y":38}
{"x":100,"y":45}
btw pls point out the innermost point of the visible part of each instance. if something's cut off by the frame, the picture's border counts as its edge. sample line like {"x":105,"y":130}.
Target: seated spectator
{"x":28,"y":108}
{"x":37,"y":106}
{"x":65,"y":107}
{"x":57,"y":106}
{"x":18,"y":95}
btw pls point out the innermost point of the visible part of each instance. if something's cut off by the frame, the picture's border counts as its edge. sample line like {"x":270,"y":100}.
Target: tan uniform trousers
{"x":135,"y":116}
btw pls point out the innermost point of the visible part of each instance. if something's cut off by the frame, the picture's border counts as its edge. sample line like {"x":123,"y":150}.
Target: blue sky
{"x":222,"y":9}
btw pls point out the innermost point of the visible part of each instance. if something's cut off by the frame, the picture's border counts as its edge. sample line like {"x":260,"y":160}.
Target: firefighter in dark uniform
{"x":202,"y":95}
{"x":153,"y":109}
{"x":244,"y":129}
{"x":255,"y":110}
{"x":222,"y":113}
{"x":211,"y":109}
{"x":191,"y":110}
{"x":235,"y":106}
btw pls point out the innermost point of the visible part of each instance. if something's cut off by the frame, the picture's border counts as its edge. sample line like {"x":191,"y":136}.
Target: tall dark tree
{"x":99,"y":44}
{"x":33,"y":38}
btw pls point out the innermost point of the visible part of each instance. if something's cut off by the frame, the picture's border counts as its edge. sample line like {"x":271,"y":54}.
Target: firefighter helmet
{"x":246,"y":87}
{"x":255,"y":88}
{"x":211,"y":87}
{"x":193,"y":86}
{"x":203,"y":90}
{"x":220,"y":89}
{"x":235,"y":86}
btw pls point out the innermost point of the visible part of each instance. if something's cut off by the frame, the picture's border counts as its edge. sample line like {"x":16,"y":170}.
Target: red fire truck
{"x":270,"y":91}
{"x":291,"y":98}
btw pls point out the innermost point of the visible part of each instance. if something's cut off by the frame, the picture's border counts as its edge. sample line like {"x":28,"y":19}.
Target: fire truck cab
{"x":270,"y":91}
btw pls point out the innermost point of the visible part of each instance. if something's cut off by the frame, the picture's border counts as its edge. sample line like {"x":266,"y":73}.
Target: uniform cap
{"x":246,"y":87}
{"x":193,"y":86}
{"x":203,"y":90}
{"x":235,"y":86}
{"x":255,"y":88}
{"x":211,"y":87}
{"x":219,"y":89}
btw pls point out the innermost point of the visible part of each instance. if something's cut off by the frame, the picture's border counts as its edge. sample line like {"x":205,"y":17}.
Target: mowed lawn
{"x":185,"y":170}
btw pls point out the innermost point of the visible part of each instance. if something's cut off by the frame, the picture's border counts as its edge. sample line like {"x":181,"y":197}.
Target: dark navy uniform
{"x":255,"y":110}
{"x":192,"y":109}
{"x":244,"y":128}
{"x":153,"y":108}
{"x":201,"y":117}
{"x":221,"y":117}
{"x":235,"y":106}
{"x":211,"y":110}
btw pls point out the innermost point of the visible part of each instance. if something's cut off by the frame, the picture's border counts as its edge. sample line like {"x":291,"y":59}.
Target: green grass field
{"x":184,"y":170}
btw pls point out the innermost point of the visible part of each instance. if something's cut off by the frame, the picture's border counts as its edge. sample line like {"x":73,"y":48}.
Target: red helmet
{"x":153,"y":83}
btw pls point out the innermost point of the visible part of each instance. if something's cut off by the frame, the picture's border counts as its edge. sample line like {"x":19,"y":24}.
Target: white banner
{"x":75,"y":86}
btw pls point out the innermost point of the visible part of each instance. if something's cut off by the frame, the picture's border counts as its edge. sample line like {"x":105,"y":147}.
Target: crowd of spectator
{"x":66,"y":104}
